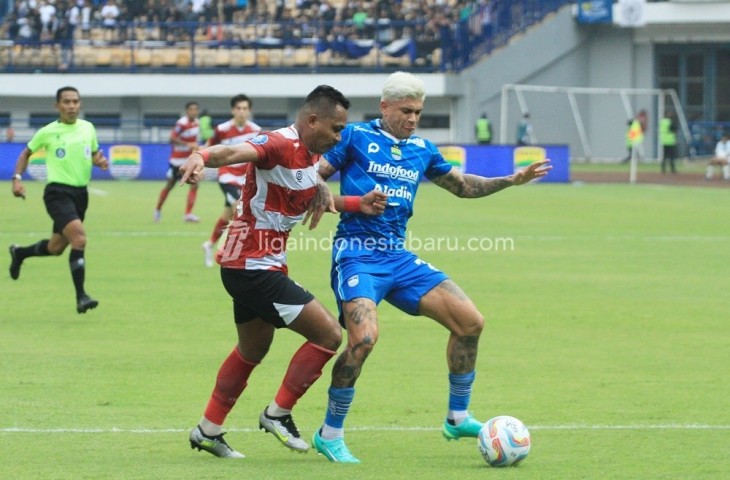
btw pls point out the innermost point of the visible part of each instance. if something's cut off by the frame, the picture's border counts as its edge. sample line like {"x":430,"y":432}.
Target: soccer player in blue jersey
{"x":370,"y":262}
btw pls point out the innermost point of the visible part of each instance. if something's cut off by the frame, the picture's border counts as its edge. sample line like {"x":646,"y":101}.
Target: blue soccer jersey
{"x":370,"y":158}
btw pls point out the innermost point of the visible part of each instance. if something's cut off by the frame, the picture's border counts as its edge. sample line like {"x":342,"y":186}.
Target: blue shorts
{"x":398,"y":276}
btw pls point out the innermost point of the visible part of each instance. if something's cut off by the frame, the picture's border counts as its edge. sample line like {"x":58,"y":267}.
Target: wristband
{"x":205,"y":154}
{"x":351,"y":204}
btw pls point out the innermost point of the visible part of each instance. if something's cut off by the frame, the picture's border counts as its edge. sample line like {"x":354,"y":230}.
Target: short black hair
{"x":241,"y":98}
{"x":190,"y":104}
{"x":325,"y":97}
{"x":60,"y":91}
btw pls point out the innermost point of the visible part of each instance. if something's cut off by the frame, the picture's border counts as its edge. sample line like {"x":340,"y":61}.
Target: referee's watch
{"x":17,"y":176}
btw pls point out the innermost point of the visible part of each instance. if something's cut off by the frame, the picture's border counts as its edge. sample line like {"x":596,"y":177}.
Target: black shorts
{"x":65,"y":204}
{"x":231,"y":192}
{"x":266,"y":294}
{"x":174,"y":172}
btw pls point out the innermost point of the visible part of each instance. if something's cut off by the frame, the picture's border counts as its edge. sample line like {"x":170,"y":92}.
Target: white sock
{"x":726,"y":172}
{"x":457,"y":416}
{"x":710,"y":171}
{"x":274,"y":410}
{"x":209,"y":428}
{"x":329,"y":433}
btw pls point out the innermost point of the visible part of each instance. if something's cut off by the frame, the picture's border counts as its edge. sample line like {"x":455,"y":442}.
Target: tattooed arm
{"x":473,"y":186}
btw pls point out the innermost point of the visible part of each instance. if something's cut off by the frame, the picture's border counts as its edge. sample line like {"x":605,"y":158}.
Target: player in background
{"x":281,"y":183}
{"x":184,"y":140}
{"x":370,"y":261}
{"x":71,"y":150}
{"x":230,"y":177}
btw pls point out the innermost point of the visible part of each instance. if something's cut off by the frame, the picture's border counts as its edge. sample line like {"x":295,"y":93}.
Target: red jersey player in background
{"x":281,"y":183}
{"x":230,"y":177}
{"x":184,"y":139}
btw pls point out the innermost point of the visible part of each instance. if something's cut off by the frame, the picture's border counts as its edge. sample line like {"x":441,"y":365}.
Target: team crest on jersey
{"x":353,"y":281}
{"x":396,"y":153}
{"x":260,"y":139}
{"x":60,"y":153}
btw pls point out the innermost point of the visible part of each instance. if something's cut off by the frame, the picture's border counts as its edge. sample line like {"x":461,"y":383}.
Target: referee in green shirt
{"x":71,"y":150}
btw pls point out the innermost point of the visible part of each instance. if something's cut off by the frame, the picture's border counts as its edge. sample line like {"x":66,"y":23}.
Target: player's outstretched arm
{"x":473,"y":186}
{"x":213,"y":157}
{"x":531,"y":172}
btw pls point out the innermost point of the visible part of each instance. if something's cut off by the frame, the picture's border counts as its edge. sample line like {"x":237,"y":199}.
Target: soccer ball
{"x":504,"y":441}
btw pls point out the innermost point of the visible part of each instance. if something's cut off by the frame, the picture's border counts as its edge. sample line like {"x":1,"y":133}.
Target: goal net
{"x":591,"y":121}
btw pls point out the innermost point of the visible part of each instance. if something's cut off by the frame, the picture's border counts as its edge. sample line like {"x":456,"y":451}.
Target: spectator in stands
{"x":87,"y":12}
{"x":279,"y":9}
{"x":73,"y":16}
{"x":47,"y":12}
{"x":109,"y":19}
{"x":721,"y":158}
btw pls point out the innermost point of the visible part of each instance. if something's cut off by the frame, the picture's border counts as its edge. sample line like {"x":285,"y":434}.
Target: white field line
{"x":671,"y":426}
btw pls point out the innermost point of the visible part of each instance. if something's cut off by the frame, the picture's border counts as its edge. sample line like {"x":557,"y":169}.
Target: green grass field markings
{"x":669,"y":426}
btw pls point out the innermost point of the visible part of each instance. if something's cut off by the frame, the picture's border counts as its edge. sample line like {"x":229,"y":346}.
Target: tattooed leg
{"x":362,"y":334}
{"x":449,"y":305}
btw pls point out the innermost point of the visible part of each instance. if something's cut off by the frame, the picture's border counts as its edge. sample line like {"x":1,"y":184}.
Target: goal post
{"x":598,"y":127}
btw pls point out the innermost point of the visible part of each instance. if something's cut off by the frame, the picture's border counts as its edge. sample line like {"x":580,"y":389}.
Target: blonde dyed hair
{"x":402,"y":85}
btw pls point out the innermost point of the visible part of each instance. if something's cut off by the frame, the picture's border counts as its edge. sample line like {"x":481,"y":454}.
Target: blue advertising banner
{"x":500,"y":160}
{"x":595,"y":11}
{"x":150,"y":161}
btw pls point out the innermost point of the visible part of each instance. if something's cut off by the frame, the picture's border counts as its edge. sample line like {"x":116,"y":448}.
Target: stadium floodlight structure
{"x":570,"y":93}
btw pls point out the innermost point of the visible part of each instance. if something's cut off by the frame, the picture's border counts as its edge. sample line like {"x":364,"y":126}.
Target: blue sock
{"x":338,"y":405}
{"x":460,"y":391}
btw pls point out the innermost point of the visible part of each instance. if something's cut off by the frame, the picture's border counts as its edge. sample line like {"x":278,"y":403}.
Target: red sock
{"x":192,"y":194}
{"x":163,"y":196}
{"x":232,"y":379}
{"x":218,"y":230}
{"x":304,"y":369}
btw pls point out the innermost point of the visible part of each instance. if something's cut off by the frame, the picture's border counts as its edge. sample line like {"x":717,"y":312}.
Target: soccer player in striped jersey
{"x":371,"y":263}
{"x":184,"y":139}
{"x":281,"y":183}
{"x":230,"y":177}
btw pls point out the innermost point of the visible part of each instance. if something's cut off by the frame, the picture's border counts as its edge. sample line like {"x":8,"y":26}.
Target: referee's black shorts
{"x":267,"y":294}
{"x":65,"y":203}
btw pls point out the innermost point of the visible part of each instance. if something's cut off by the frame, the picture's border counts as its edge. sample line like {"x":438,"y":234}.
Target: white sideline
{"x":670,"y":426}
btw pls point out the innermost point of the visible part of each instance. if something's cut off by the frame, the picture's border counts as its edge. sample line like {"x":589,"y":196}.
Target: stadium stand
{"x":318,"y":35}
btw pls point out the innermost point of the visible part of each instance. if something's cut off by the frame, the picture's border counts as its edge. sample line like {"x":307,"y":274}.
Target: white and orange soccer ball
{"x":504,"y":441}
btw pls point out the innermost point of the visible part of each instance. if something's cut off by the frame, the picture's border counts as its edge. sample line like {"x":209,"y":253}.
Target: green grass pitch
{"x":607,"y":334}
